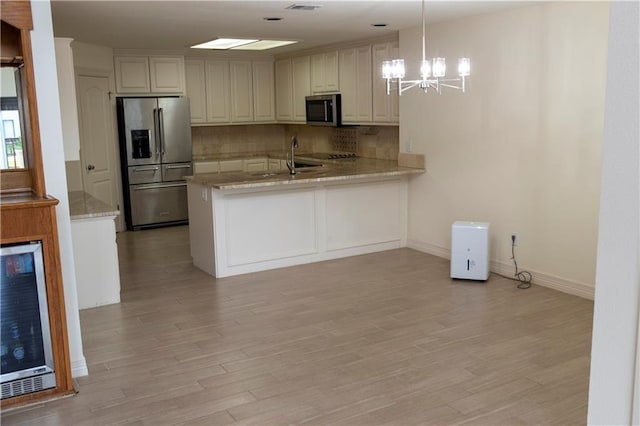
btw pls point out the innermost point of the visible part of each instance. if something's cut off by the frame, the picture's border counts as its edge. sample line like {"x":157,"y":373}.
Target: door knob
{"x":91,"y":167}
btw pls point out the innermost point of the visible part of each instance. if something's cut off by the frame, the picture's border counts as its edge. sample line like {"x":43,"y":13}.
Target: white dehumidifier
{"x":470,"y":250}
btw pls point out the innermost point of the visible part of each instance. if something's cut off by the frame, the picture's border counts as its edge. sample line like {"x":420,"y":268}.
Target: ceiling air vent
{"x":296,"y":6}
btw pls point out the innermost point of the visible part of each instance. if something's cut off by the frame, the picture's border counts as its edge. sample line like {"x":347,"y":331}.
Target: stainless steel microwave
{"x":324,"y":110}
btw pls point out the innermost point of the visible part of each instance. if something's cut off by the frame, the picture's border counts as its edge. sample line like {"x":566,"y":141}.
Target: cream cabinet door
{"x":263,"y":91}
{"x":324,"y":72}
{"x":385,"y":107}
{"x":241,"y":91}
{"x":363,"y":84}
{"x":166,"y":74}
{"x":231,"y":166}
{"x":132,"y":74}
{"x":205,"y":167}
{"x":355,"y":84}
{"x":255,"y":165}
{"x":195,"y":89}
{"x":301,"y":86}
{"x":273,"y":164}
{"x":217,"y":91}
{"x":284,"y":90}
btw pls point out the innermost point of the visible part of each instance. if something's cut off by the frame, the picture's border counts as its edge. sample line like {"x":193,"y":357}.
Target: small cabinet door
{"x":166,"y":74}
{"x":284,"y":90}
{"x":324,"y":72}
{"x":231,"y":166}
{"x":217,"y":91}
{"x":195,"y":89}
{"x":274,"y":164}
{"x":255,"y":165}
{"x":263,"y":91}
{"x":385,"y":107}
{"x":301,"y":86}
{"x":241,"y":91}
{"x":132,"y":74}
{"x":355,"y":84}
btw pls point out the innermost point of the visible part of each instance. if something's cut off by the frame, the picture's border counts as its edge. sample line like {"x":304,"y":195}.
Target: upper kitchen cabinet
{"x":149,"y":74}
{"x":284,"y":90}
{"x":301,"y":86}
{"x":263,"y":91}
{"x":216,"y":91}
{"x":241,"y":91}
{"x":355,"y":84}
{"x":385,"y":107}
{"x":324,"y":72}
{"x":195,"y":89}
{"x":293,"y":83}
{"x":223,"y":91}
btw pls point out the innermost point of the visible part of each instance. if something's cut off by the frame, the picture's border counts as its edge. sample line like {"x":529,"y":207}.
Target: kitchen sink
{"x":301,"y":164}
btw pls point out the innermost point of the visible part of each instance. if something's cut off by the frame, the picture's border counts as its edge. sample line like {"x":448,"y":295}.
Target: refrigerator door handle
{"x":156,"y":129}
{"x":146,"y":169}
{"x":179,"y":166}
{"x":162,"y":185}
{"x":161,"y":132}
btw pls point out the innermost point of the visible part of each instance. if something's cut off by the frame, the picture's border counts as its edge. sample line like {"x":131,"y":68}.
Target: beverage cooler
{"x":25,"y":339}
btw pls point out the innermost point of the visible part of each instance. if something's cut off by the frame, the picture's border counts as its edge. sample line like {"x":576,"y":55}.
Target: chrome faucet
{"x":291,"y":162}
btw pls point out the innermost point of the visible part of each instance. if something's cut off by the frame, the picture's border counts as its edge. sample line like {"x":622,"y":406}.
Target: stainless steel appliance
{"x":25,"y":339}
{"x":324,"y":110}
{"x":155,"y":154}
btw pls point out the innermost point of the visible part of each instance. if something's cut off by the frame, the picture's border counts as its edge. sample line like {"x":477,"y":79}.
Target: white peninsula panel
{"x":250,"y":229}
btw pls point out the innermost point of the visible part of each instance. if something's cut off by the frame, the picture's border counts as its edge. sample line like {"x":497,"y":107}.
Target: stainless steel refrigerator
{"x":155,"y":155}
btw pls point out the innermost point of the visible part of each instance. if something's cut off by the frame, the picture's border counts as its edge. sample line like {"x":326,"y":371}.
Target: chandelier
{"x":432,"y":71}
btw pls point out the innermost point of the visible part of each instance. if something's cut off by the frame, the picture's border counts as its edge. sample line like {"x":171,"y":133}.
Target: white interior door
{"x":97,"y":138}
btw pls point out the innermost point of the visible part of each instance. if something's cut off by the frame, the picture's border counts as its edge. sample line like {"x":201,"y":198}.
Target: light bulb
{"x":425,"y":69}
{"x":386,"y":69}
{"x":464,"y":67}
{"x":397,"y":68}
{"x":439,"y":67}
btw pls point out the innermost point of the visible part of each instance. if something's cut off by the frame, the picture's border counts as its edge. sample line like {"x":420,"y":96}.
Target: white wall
{"x":521,"y":149}
{"x":615,"y":322}
{"x":54,"y":168}
{"x":68,"y":104}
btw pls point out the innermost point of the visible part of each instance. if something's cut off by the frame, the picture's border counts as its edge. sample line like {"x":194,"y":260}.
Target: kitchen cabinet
{"x":149,"y":74}
{"x":263,"y":91}
{"x":255,"y":165}
{"x":385,"y":107}
{"x":324,"y":72}
{"x":230,"y":91}
{"x":217,"y":91}
{"x":284,"y":90}
{"x":195,"y":89}
{"x":241,"y":86}
{"x":355,"y":84}
{"x":206,"y":167}
{"x":273,"y":164}
{"x":231,"y":166}
{"x":301,"y":87}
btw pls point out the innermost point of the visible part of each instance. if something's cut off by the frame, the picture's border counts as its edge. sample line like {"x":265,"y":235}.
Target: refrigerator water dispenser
{"x":470,"y":250}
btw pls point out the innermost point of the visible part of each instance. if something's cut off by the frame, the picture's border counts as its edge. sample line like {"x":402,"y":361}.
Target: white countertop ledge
{"x":361,"y":168}
{"x":85,"y":206}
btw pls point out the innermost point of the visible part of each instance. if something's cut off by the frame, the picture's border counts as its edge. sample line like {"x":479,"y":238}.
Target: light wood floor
{"x":385,"y":338}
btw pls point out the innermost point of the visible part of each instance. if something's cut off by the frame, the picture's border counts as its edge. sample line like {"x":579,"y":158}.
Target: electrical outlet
{"x":514,"y":238}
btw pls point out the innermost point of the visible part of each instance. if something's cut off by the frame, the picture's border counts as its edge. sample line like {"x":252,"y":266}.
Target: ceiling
{"x":175,"y":25}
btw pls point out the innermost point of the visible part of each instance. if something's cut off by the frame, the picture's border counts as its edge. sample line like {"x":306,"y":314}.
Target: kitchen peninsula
{"x":244,"y":222}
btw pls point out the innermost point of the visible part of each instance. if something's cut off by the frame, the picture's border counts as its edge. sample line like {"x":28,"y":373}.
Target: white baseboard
{"x":79,"y":368}
{"x":506,"y":268}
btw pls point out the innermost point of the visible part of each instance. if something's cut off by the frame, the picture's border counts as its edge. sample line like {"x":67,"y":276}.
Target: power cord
{"x":523,"y":277}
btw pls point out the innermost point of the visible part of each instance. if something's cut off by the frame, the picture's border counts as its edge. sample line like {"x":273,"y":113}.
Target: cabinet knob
{"x":91,"y":167}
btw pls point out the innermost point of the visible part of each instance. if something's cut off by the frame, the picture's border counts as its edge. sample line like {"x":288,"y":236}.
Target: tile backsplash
{"x":367,"y":141}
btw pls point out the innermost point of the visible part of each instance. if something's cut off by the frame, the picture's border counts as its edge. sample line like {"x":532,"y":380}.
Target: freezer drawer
{"x":176,"y":171}
{"x":158,"y":203}
{"x":144,"y":174}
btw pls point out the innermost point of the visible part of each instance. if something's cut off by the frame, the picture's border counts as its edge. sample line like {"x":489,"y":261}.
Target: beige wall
{"x":521,"y":149}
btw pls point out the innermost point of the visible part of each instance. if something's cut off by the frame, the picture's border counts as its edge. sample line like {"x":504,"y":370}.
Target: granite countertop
{"x":85,"y":206}
{"x":337,"y":170}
